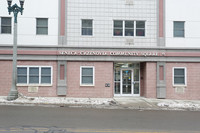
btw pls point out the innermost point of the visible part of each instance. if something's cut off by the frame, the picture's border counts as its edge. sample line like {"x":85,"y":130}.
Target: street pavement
{"x":34,"y":119}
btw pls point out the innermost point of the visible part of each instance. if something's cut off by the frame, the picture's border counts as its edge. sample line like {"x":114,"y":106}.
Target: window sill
{"x":179,"y":85}
{"x":85,"y":85}
{"x":23,"y":85}
{"x":134,"y":37}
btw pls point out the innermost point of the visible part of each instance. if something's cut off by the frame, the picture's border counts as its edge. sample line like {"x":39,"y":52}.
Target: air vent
{"x":129,"y":2}
{"x":129,"y":41}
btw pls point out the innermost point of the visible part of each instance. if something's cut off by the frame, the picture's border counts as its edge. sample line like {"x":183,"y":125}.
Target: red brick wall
{"x":148,"y":81}
{"x":192,"y":90}
{"x":103,"y":74}
{"x":6,"y":78}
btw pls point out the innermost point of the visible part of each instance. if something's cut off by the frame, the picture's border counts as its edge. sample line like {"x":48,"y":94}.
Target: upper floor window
{"x":42,"y":26}
{"x":5,"y":25}
{"x":87,"y":27}
{"x":179,"y":29}
{"x":128,"y":28}
{"x":118,"y":28}
{"x":34,"y":75}
{"x":179,"y":76}
{"x":140,"y":28}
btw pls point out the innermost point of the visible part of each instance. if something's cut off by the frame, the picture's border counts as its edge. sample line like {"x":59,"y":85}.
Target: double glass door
{"x":129,"y":82}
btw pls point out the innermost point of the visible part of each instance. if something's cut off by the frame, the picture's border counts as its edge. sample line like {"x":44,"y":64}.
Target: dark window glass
{"x":87,"y":27}
{"x":129,"y":28}
{"x":179,"y":76}
{"x":118,"y":28}
{"x":179,"y":29}
{"x":45,"y":75}
{"x":22,"y":75}
{"x":34,"y":75}
{"x":42,"y":26}
{"x":140,"y":28}
{"x":6,"y":25}
{"x":87,"y":75}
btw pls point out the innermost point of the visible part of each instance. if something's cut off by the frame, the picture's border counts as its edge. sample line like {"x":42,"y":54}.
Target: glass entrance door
{"x":127,"y":79}
{"x":130,"y":84}
{"x":127,"y":85}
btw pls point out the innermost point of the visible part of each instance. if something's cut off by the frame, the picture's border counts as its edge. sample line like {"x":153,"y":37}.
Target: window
{"x":87,"y":75}
{"x":118,"y":28}
{"x":128,"y":28}
{"x":179,"y":29}
{"x":42,"y":26}
{"x":140,"y":28}
{"x":6,"y":25}
{"x":179,"y":76}
{"x":34,"y":75}
{"x":87,"y":27}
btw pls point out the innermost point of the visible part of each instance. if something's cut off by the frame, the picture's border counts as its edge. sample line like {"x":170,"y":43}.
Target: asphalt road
{"x":21,"y":119}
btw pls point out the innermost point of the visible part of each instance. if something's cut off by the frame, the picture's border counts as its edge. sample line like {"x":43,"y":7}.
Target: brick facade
{"x":103,"y":74}
{"x":6,"y":79}
{"x":192,"y":89}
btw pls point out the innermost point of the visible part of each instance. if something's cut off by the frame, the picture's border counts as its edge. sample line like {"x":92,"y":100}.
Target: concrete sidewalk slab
{"x":157,"y":104}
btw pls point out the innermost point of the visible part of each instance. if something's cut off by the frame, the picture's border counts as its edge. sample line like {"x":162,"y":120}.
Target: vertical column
{"x":161,"y":80}
{"x":62,"y":78}
{"x":61,"y":23}
{"x":161,"y":22}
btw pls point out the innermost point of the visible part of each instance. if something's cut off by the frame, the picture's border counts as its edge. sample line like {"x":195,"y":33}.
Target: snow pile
{"x":57,"y":101}
{"x":180,"y":105}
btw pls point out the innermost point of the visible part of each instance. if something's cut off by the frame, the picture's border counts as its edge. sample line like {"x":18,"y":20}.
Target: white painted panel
{"x":27,"y":22}
{"x":183,"y":10}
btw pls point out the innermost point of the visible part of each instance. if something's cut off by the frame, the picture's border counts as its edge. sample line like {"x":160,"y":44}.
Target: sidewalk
{"x":137,"y":103}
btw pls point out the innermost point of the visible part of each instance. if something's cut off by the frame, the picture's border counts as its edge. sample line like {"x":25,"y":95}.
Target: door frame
{"x":132,"y":86}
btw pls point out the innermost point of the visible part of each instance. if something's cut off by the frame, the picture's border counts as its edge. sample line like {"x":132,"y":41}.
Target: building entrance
{"x":127,"y":81}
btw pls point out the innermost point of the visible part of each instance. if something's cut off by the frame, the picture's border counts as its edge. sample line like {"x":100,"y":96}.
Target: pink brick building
{"x":103,"y":49}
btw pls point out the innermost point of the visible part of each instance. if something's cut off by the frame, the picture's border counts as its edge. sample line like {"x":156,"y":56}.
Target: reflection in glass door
{"x":127,"y":81}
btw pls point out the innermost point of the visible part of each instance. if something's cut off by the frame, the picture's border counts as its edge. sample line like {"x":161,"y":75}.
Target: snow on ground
{"x":182,"y":105}
{"x":57,"y":101}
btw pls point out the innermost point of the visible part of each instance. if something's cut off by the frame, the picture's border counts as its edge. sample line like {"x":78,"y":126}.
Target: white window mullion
{"x":27,"y":75}
{"x":134,"y":28}
{"x":0,"y":24}
{"x":123,"y":28}
{"x":40,"y":69}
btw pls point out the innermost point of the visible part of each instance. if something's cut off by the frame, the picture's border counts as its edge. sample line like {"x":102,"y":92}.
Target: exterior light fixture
{"x":13,"y":94}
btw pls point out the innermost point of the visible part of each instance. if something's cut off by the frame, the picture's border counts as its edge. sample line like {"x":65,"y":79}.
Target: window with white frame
{"x":179,"y":76}
{"x":179,"y":29}
{"x":128,"y":28}
{"x":87,"y":75}
{"x":87,"y":27}
{"x":34,"y":75}
{"x":42,"y":26}
{"x":6,"y":25}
